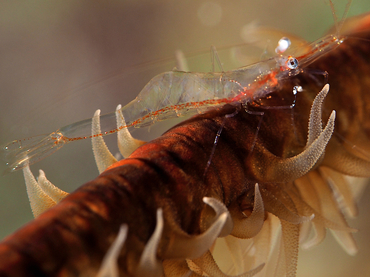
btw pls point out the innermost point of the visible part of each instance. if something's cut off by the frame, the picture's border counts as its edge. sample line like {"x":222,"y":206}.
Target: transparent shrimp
{"x":174,"y":94}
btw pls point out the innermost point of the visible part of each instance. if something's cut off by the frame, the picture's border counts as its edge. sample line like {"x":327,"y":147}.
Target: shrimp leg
{"x":215,"y":142}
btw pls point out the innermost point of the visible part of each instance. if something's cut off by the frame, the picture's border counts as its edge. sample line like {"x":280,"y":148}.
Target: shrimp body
{"x":175,"y":94}
{"x":168,"y":95}
{"x":178,"y":93}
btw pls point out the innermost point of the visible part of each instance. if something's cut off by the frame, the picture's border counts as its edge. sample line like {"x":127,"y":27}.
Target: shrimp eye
{"x":292,"y":63}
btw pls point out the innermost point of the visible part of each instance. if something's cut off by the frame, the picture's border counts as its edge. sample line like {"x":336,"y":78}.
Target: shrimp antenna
{"x":214,"y":56}
{"x":338,"y":25}
{"x":181,"y":62}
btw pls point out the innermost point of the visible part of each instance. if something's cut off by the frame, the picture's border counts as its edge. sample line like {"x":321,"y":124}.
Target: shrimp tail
{"x":20,"y":153}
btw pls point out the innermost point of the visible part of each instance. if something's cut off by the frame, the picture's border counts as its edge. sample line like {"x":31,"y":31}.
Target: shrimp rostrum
{"x":157,"y":213}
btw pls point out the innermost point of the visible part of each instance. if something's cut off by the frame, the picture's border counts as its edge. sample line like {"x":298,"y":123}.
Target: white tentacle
{"x":103,"y":157}
{"x":126,"y":143}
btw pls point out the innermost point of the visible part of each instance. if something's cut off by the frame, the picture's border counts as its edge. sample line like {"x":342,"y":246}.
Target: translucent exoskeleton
{"x":174,"y":94}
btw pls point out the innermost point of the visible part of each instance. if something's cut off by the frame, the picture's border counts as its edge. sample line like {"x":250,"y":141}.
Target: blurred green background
{"x":62,"y":60}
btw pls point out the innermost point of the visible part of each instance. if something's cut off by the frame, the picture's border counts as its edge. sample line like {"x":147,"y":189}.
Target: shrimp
{"x":176,"y":94}
{"x":170,"y":94}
